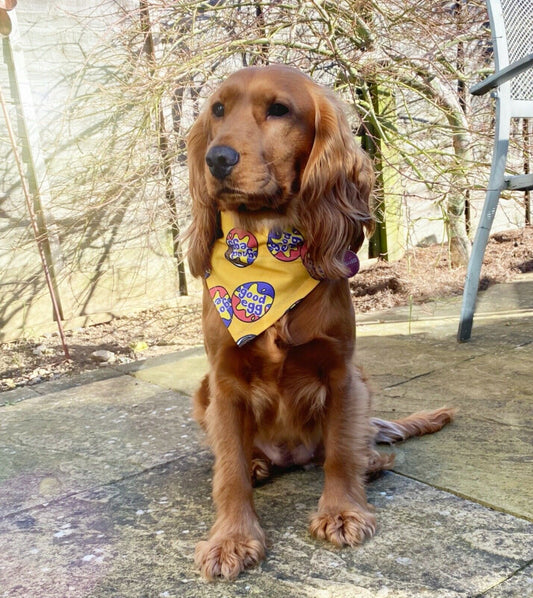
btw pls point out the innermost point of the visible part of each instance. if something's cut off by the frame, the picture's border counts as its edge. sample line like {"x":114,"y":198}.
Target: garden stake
{"x":33,"y":220}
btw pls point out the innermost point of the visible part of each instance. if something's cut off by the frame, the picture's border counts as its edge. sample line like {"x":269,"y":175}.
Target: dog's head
{"x":274,"y":147}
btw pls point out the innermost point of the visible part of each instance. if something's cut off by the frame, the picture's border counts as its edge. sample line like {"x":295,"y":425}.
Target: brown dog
{"x":272,"y":156}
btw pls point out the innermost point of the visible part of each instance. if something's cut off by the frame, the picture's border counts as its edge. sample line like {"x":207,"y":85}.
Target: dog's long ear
{"x":201,"y":233}
{"x":335,"y":191}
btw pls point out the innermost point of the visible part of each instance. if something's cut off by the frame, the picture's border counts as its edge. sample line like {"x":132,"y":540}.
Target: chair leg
{"x":496,"y":184}
{"x":474,"y":264}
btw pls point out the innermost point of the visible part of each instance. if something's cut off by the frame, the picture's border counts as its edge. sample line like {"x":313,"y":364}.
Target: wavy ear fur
{"x":336,"y":187}
{"x":201,"y":233}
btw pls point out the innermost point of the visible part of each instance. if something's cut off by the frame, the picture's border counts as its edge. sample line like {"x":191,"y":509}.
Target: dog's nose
{"x":221,"y":159}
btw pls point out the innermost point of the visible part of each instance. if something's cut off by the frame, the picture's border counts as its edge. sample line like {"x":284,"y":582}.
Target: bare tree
{"x":361,"y":47}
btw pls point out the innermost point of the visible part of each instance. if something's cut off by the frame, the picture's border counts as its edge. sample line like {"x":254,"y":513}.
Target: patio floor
{"x":105,"y":480}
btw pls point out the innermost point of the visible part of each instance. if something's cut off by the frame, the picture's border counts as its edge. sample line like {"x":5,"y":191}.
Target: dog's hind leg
{"x":200,"y":401}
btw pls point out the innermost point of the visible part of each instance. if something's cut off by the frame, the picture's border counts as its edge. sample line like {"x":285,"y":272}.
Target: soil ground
{"x":423,"y":274}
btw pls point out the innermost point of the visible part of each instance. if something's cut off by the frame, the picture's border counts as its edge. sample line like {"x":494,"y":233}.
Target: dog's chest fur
{"x":288,"y":396}
{"x":289,"y":370}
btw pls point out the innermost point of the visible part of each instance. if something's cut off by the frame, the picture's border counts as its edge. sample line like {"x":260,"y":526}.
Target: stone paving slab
{"x":182,"y":373}
{"x":106,"y":490}
{"x":136,"y":537}
{"x":22,"y":393}
{"x":105,"y":482}
{"x":499,"y":306}
{"x":71,"y":440}
{"x":486,"y":455}
{"x":519,"y":585}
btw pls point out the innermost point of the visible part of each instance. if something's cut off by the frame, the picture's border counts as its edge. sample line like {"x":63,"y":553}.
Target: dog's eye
{"x":217,"y":109}
{"x":277,"y":109}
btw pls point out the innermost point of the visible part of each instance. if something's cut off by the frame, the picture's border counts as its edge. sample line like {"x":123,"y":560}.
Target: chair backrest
{"x":512,"y":35}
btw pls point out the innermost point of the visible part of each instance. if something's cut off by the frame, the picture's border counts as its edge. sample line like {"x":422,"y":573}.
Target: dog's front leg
{"x":344,"y":517}
{"x":236,"y":540}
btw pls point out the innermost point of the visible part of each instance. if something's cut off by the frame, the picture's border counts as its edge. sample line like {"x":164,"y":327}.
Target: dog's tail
{"x":417,"y":424}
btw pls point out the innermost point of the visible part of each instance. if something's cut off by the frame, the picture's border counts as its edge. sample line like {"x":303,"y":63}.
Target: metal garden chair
{"x":511,"y":24}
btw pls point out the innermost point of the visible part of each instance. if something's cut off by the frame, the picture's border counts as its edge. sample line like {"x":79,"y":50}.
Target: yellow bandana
{"x":256,"y":277}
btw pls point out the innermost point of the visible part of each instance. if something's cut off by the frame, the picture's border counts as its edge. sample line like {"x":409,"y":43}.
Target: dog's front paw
{"x":347,"y":527}
{"x":226,"y":557}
